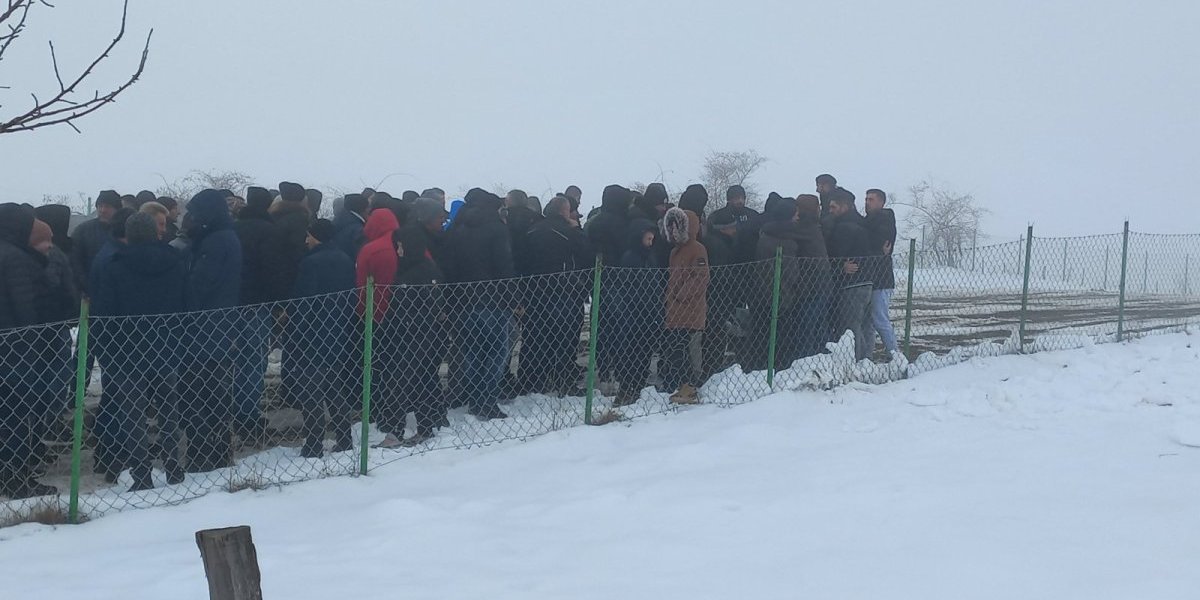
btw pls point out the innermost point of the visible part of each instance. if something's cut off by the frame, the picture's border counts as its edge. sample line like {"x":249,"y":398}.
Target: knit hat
{"x":258,"y":198}
{"x":291,"y":192}
{"x":145,"y":196}
{"x":323,"y":230}
{"x":656,"y":193}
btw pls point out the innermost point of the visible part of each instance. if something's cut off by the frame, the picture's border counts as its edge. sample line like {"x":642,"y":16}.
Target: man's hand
{"x":887,"y":247}
{"x":850,"y":267}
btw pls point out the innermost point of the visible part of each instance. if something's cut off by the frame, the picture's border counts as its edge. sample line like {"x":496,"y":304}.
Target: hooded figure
{"x":418,"y":294}
{"x":58,"y":217}
{"x":312,"y":201}
{"x":804,"y":292}
{"x":318,"y":342}
{"x":694,"y":199}
{"x":632,"y":312}
{"x":262,"y":264}
{"x":21,"y":401}
{"x":687,"y":304}
{"x":606,"y":230}
{"x":291,"y":216}
{"x":214,"y":282}
{"x":479,"y":252}
{"x":650,"y":205}
{"x":377,"y":260}
{"x":349,"y":224}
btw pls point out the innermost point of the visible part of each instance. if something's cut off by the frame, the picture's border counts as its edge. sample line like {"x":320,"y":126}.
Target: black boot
{"x":142,"y":479}
{"x":312,"y":448}
{"x":30,"y":488}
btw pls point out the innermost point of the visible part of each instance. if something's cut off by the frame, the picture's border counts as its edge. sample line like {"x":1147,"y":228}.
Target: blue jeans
{"x":485,"y":334}
{"x":880,"y":322}
{"x":250,"y":362}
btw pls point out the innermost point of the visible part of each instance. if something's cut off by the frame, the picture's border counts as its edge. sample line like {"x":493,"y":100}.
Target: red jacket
{"x":377,"y":259}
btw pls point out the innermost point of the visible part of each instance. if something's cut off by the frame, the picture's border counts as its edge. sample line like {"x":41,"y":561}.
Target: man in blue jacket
{"x":144,"y":280}
{"x":214,"y":287}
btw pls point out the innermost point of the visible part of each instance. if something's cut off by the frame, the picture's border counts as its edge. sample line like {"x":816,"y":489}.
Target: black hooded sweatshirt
{"x":20,"y":269}
{"x":606,"y":230}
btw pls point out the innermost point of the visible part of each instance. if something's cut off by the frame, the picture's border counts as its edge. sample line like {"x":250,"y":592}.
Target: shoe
{"x":344,"y":443}
{"x":30,"y":488}
{"x":142,"y":482}
{"x":625,"y":398}
{"x":175,"y":475}
{"x":422,"y":436}
{"x":312,"y":448}
{"x":687,"y":394}
{"x":488,"y":413}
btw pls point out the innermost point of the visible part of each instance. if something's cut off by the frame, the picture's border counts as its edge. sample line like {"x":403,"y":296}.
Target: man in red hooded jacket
{"x":378,"y":260}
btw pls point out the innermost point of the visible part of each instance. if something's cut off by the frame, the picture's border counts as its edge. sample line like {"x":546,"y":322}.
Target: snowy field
{"x":1057,"y":475}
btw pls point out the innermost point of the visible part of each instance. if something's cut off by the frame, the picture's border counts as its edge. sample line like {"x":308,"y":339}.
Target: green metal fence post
{"x":81,"y":382}
{"x":774,"y":333}
{"x":368,"y":345}
{"x":1025,"y":287}
{"x":912,"y":267}
{"x":593,"y":327}
{"x":1124,"y":273}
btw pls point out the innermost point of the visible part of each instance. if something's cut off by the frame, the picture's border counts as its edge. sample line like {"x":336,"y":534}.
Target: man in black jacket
{"x":20,"y":280}
{"x":849,"y":247}
{"x":735,"y":208}
{"x":479,"y":253}
{"x":881,"y":226}
{"x":725,"y":287}
{"x":89,"y":237}
{"x":262,"y":284}
{"x":606,"y":230}
{"x":557,"y":256}
{"x":349,"y":224}
{"x":145,"y":277}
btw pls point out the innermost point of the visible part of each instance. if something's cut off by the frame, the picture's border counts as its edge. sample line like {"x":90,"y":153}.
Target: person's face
{"x":838,"y":209}
{"x":661,"y":209}
{"x":648,"y":239}
{"x":737,"y":202}
{"x":436,"y":223}
{"x":874,"y":203}
{"x":173,"y":214}
{"x":824,"y":187}
{"x":105,"y":212}
{"x":399,"y":250}
{"x":160,"y":223}
{"x":311,"y":242}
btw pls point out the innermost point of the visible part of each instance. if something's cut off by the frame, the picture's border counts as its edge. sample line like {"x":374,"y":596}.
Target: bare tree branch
{"x":60,"y":108}
{"x":947,"y":221}
{"x":724,"y":169}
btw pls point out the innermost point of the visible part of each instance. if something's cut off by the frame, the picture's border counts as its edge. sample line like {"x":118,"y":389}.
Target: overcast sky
{"x":1068,"y":115}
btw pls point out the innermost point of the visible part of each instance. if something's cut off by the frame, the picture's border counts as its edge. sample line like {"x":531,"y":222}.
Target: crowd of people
{"x":474,"y":302}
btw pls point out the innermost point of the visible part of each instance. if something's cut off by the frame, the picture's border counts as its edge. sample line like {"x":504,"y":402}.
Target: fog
{"x":1067,"y":115}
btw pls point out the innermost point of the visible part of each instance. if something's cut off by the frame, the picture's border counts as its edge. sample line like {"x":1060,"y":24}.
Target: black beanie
{"x":258,"y":198}
{"x":656,"y":193}
{"x":291,"y":192}
{"x":323,"y":230}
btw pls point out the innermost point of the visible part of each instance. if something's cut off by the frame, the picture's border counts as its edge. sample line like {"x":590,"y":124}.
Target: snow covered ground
{"x":1067,"y":474}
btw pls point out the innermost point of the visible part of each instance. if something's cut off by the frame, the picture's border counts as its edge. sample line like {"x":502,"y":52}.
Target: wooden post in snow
{"x":230,"y":563}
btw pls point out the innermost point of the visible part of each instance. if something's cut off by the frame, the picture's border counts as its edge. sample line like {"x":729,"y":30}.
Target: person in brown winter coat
{"x":687,"y":305}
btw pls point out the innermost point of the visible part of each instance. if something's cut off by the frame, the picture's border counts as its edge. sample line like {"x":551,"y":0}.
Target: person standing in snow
{"x":213,"y":286}
{"x":320,"y":334}
{"x":145,"y":279}
{"x":687,"y":305}
{"x":89,"y":237}
{"x":377,"y":261}
{"x":418,"y":296}
{"x":606,"y":230}
{"x":735,"y":208}
{"x":881,"y":227}
{"x":479,"y":253}
{"x":849,"y":246}
{"x":635,"y":303}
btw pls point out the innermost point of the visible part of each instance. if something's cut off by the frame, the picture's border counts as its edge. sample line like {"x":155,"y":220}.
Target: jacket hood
{"x":149,"y":259}
{"x":679,"y":225}
{"x":58,"y":217}
{"x":291,"y":192}
{"x":633,"y":235}
{"x":782,"y":209}
{"x":415,"y":248}
{"x":615,"y":200}
{"x":208,"y":212}
{"x":16,"y":223}
{"x":694,"y":199}
{"x":382,"y":222}
{"x":480,"y":207}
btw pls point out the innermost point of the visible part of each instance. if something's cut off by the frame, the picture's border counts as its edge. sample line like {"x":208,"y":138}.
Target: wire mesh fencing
{"x":110,"y":413}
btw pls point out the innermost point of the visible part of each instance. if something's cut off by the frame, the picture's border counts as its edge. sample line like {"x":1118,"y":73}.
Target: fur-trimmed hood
{"x":680,"y":226}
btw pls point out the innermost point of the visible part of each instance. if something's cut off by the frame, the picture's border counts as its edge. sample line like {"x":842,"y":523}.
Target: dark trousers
{"x":548,"y":345}
{"x":141,"y":391}
{"x":206,"y":405}
{"x":321,"y":389}
{"x":683,"y":358}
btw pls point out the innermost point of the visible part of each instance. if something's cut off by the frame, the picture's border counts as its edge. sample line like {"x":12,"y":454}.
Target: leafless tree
{"x":185,"y":187}
{"x":946,"y":220}
{"x":724,"y":169}
{"x":61,"y":106}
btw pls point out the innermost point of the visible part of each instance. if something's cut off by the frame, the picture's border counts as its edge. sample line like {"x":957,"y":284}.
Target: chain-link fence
{"x":109,"y":413}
